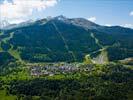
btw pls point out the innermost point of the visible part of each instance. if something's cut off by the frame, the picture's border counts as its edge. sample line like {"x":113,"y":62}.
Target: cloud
{"x":108,"y":25}
{"x":131,"y":13}
{"x":20,"y":10}
{"x":93,"y":19}
{"x":128,"y":25}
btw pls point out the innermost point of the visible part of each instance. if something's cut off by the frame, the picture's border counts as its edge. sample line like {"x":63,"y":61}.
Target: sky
{"x":103,"y":12}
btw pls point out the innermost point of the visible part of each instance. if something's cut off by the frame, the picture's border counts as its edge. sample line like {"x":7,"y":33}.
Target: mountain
{"x":67,"y":39}
{"x":20,"y":25}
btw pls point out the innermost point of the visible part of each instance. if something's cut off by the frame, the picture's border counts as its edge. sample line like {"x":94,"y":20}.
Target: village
{"x":55,"y":69}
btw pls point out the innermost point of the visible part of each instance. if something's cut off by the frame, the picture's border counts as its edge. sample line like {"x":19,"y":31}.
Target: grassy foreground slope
{"x":4,"y":96}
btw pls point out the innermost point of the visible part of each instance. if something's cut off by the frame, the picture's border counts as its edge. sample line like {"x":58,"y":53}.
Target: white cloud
{"x":131,"y":13}
{"x":108,"y":25}
{"x":93,"y":19}
{"x":20,"y":10}
{"x":128,"y":25}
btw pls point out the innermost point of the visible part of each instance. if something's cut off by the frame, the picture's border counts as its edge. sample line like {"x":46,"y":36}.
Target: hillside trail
{"x":65,"y":42}
{"x":102,"y":57}
{"x":11,"y":51}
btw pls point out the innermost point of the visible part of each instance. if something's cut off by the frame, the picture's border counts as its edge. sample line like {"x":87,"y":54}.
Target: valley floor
{"x":66,"y":81}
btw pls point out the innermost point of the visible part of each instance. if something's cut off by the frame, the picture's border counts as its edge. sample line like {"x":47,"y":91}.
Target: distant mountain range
{"x":3,"y":24}
{"x":64,"y":39}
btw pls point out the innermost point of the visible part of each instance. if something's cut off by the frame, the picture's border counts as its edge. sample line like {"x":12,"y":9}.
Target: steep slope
{"x":63,"y":39}
{"x":54,"y":41}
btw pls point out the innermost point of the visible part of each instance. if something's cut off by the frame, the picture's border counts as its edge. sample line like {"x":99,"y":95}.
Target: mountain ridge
{"x":76,"y":21}
{"x":67,"y":39}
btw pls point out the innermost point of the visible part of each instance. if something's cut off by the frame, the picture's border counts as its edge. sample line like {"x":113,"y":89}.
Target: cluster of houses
{"x":50,"y":70}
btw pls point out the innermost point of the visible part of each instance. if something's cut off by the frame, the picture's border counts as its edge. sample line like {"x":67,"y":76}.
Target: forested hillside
{"x":66,"y":59}
{"x":63,"y":39}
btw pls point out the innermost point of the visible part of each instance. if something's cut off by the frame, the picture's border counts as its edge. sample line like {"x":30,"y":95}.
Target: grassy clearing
{"x":21,"y":75}
{"x":87,"y":59}
{"x":14,"y":53}
{"x":102,"y":58}
{"x":130,"y":96}
{"x":3,"y":96}
{"x":8,"y":38}
{"x":1,"y":33}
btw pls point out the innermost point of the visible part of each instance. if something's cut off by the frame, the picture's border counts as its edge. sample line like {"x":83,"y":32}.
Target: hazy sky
{"x":104,"y":12}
